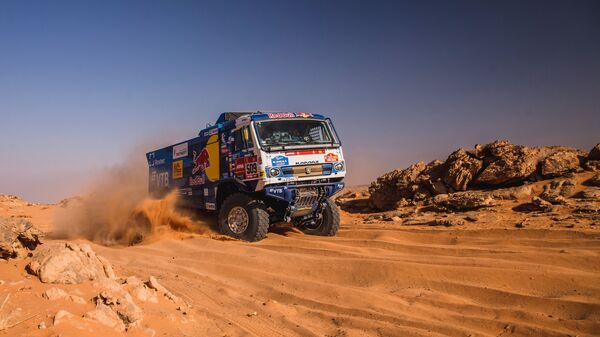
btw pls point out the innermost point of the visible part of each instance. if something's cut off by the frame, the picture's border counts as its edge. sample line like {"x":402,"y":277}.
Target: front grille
{"x":308,"y":170}
{"x":306,"y":198}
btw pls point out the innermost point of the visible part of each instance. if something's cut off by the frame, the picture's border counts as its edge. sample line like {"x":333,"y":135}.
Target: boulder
{"x":69,"y":263}
{"x":460,"y":169}
{"x":505,"y":163}
{"x":389,"y":189}
{"x":61,"y":316}
{"x":462,"y":201}
{"x":590,"y":194}
{"x":559,"y":163}
{"x":54,"y":294}
{"x":594,"y":181}
{"x":512,"y":193}
{"x":594,"y":153}
{"x":541,"y":204}
{"x":140,"y":291}
{"x":557,"y":190}
{"x":105,"y":316}
{"x":592,"y":165}
{"x":120,"y":301}
{"x":18,"y":238}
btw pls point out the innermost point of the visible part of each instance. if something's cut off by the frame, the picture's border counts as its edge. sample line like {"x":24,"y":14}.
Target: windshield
{"x":293,"y":132}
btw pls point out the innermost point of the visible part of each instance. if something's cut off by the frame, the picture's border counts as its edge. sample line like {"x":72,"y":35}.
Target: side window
{"x":242,"y":139}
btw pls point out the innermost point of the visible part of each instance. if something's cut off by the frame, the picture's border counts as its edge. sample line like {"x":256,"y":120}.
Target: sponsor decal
{"x":331,"y":157}
{"x":304,"y":114}
{"x":307,"y":162}
{"x":246,"y":167}
{"x":282,"y":115}
{"x":178,"y":169}
{"x":211,"y":132}
{"x":201,"y":161}
{"x":211,"y":206}
{"x":280,"y":161}
{"x":205,"y":192}
{"x":185,"y":191}
{"x":196,"y":180}
{"x":180,"y":150}
{"x":159,"y":180}
{"x":304,"y":152}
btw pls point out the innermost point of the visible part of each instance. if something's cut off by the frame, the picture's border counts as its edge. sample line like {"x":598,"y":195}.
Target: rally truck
{"x":256,"y":170}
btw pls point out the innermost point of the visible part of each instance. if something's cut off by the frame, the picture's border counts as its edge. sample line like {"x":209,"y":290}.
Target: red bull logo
{"x":303,"y":114}
{"x":201,"y":161}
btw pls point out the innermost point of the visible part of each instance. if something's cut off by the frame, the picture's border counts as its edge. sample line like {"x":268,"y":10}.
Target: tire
{"x":238,"y":206}
{"x":330,"y":223}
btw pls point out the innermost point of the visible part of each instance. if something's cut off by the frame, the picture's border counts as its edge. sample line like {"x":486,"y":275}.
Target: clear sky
{"x":84,"y":83}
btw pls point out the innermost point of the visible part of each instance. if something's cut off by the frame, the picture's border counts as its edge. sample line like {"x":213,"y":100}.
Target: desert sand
{"x":375,"y":278}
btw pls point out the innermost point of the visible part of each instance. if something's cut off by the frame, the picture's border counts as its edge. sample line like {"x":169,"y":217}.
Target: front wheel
{"x":243,"y":218}
{"x":328,"y":224}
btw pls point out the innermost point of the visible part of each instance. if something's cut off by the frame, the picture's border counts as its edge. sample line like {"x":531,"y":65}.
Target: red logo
{"x":331,"y":157}
{"x":201,"y":162}
{"x":303,"y":114}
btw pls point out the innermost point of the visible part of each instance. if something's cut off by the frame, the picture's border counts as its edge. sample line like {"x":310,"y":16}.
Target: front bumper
{"x":290,"y":193}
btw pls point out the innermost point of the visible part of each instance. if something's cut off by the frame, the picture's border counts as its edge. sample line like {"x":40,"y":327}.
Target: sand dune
{"x":372,"y":279}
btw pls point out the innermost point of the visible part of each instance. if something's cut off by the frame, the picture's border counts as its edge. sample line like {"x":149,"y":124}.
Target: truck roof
{"x":261,"y":115}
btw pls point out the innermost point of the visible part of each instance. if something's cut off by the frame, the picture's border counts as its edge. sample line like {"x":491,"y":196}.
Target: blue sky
{"x":85,"y":85}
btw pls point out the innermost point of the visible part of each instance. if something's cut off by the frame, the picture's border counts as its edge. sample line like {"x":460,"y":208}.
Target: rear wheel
{"x":243,"y":218}
{"x":328,"y":224}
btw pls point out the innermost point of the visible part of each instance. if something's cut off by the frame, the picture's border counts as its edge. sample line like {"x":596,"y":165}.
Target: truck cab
{"x":255,"y":170}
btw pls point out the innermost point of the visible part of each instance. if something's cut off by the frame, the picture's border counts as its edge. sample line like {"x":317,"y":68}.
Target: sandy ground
{"x":372,"y":279}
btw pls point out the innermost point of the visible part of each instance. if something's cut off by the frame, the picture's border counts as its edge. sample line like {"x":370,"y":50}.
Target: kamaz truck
{"x":256,"y":170}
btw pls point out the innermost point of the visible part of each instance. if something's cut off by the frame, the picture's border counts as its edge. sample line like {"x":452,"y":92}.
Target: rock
{"x":591,"y":194}
{"x":555,"y":191}
{"x":153,"y":284}
{"x":511,"y":193}
{"x":105,"y":316}
{"x":462,"y":201}
{"x":594,"y":181}
{"x":388,"y":190}
{"x":140,"y":291}
{"x":69,"y":263}
{"x":559,"y":163}
{"x":53,"y":294}
{"x":42,"y":325}
{"x":542,"y":204}
{"x":506,"y":163}
{"x":471,"y":218}
{"x":592,"y":165}
{"x":587,"y":208}
{"x":594,"y":153}
{"x":61,"y":316}
{"x":18,"y":238}
{"x":460,"y":169}
{"x":119,"y":301}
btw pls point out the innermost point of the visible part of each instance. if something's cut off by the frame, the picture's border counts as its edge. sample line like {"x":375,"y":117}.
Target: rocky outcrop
{"x":18,"y":238}
{"x":594,"y":153}
{"x":69,"y":263}
{"x":560,"y":163}
{"x":462,"y":201}
{"x":460,"y":170}
{"x":491,"y":166}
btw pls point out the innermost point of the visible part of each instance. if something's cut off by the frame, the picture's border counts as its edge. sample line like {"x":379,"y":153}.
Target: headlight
{"x":274,"y":172}
{"x":339,"y":166}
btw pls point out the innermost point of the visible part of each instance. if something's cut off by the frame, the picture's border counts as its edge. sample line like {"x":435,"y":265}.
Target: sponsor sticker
{"x":178,"y":169}
{"x":196,"y":180}
{"x":246,"y":167}
{"x":331,"y":157}
{"x":304,"y":114}
{"x":201,"y":161}
{"x":159,"y":179}
{"x":307,"y":162}
{"x":180,"y":150}
{"x":304,"y":152}
{"x":211,"y":206}
{"x":282,"y":115}
{"x":280,"y":161}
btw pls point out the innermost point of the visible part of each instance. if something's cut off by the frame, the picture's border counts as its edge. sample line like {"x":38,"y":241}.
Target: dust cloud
{"x":117,"y":210}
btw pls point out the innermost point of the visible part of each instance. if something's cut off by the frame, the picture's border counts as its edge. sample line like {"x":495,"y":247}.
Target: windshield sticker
{"x":304,"y":114}
{"x":282,"y":115}
{"x":331,"y":157}
{"x":280,"y":161}
{"x":180,"y":150}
